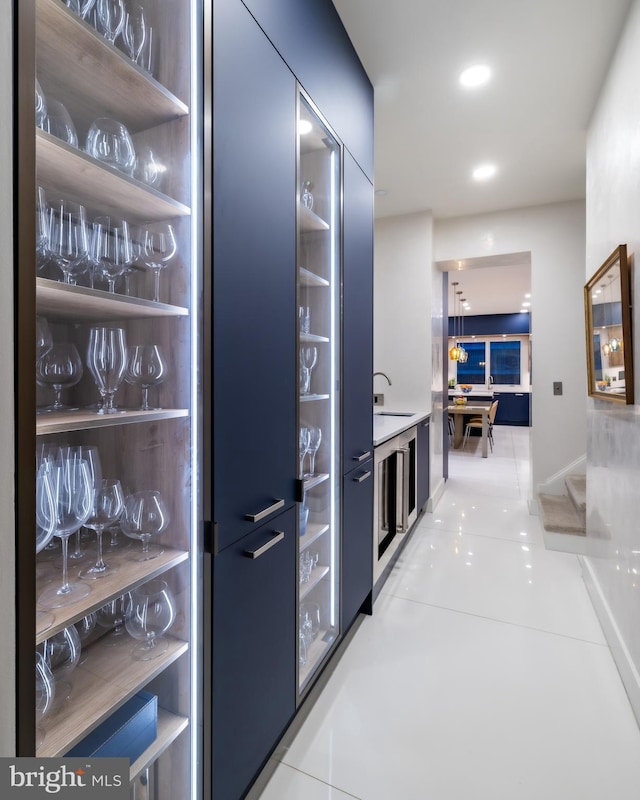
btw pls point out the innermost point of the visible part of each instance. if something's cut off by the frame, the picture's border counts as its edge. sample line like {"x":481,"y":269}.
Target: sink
{"x":394,"y":413}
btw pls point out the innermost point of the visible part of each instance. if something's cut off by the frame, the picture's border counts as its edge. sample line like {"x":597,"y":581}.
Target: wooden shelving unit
{"x":64,"y":421}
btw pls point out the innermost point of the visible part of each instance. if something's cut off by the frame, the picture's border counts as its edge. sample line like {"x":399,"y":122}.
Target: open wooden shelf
{"x":313,"y":338}
{"x":309,"y":221}
{"x":58,"y":300}
{"x":70,"y":56}
{"x":170,"y":726}
{"x":306,"y":398}
{"x":317,"y":574}
{"x":315,"y":480}
{"x":83,"y":420}
{"x":310,"y":279}
{"x":100,"y":685}
{"x":314,"y":531}
{"x":66,"y":171}
{"x":129,"y":575}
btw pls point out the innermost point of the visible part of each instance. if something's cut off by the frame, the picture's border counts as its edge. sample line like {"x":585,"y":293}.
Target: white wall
{"x":7,"y":526}
{"x":554,"y":236}
{"x":613,"y":454}
{"x":402,"y":310}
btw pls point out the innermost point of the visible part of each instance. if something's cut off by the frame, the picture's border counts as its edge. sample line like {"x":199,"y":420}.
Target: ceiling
{"x":548,"y":60}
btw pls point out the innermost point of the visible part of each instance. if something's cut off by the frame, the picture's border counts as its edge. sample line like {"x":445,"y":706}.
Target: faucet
{"x":384,"y":375}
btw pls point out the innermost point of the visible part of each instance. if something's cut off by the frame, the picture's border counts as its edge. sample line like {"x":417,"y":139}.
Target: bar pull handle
{"x":363,"y":477}
{"x":265,"y":511}
{"x":278,"y":536}
{"x":363,"y":457}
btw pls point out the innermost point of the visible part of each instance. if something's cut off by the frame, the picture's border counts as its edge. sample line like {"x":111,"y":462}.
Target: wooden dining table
{"x":470,"y":409}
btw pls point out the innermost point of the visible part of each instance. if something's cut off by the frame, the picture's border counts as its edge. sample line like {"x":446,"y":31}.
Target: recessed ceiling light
{"x":484,"y":171}
{"x":475,"y":76}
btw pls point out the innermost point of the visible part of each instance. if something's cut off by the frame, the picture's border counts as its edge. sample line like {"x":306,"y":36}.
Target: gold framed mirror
{"x":607,"y":305}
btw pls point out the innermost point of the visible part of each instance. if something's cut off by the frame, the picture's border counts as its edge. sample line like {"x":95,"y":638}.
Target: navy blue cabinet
{"x":254,"y":303}
{"x":422,"y":465}
{"x":254,"y":652}
{"x":357,"y":542}
{"x":357,"y":326}
{"x":514,"y":408}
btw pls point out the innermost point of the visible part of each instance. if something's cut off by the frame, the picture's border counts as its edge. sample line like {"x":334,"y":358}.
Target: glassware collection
{"x":114,"y":301}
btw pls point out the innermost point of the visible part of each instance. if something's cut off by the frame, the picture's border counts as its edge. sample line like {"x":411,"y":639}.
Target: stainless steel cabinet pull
{"x":278,"y":536}
{"x":363,"y":477}
{"x":363,"y":457}
{"x":265,"y":511}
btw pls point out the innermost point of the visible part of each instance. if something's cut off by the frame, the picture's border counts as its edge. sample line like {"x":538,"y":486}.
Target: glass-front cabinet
{"x":117,"y":277}
{"x":318,"y":299}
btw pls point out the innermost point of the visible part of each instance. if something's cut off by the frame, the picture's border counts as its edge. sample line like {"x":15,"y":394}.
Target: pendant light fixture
{"x":454,"y":351}
{"x":462,"y":358}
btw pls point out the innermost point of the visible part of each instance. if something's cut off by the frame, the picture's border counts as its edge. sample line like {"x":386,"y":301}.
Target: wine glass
{"x":43,"y":230}
{"x":159,"y":249}
{"x":85,"y":628}
{"x":148,"y":168}
{"x":150,"y":614}
{"x":61,"y":653}
{"x":44,"y":340}
{"x":108,"y":505}
{"x":146,"y":367}
{"x":303,"y":446}
{"x":308,"y":359}
{"x":112,"y":615}
{"x":60,"y":367}
{"x":145,"y":515}
{"x":58,"y":122}
{"x":46,"y":508}
{"x":90,"y":454}
{"x":45,"y":694}
{"x":41,"y":105}
{"x":110,"y":16}
{"x":134,"y":31}
{"x":81,"y":7}
{"x":107,"y":361}
{"x":74,"y":501}
{"x":315,"y":437}
{"x":68,"y":239}
{"x":110,"y":249}
{"x":110,"y":142}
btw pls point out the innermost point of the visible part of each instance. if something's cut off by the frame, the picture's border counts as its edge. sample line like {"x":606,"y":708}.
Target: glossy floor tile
{"x":483,"y":673}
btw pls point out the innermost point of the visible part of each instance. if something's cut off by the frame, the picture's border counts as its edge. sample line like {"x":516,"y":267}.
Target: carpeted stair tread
{"x":577,"y":489}
{"x":558,"y":514}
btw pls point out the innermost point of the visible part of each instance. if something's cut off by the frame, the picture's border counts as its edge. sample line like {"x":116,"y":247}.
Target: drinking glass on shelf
{"x":44,"y":340}
{"x":110,"y":15}
{"x":146,"y":59}
{"x":73,"y":495}
{"x":110,"y":249}
{"x":110,"y":142}
{"x":304,"y":318}
{"x":310,"y":616}
{"x":85,"y":628}
{"x":58,"y":122}
{"x":145,"y":515}
{"x":59,"y":367}
{"x":61,"y":653}
{"x":46,"y":511}
{"x":108,"y":505}
{"x":81,"y":7}
{"x":112,"y":615}
{"x":134,"y":31}
{"x":315,"y":437}
{"x":90,"y":454}
{"x":45,"y":694}
{"x":41,"y":105}
{"x":148,"y":168}
{"x":308,"y":359}
{"x":68,"y":239}
{"x":150,"y":615}
{"x":107,"y":361}
{"x":146,"y":367}
{"x":159,"y":249}
{"x":303,"y":447}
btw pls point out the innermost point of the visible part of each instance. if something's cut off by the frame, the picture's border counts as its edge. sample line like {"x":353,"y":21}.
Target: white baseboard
{"x":619,"y":651}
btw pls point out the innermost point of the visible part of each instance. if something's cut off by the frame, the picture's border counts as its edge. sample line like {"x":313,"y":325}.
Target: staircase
{"x":563,"y":516}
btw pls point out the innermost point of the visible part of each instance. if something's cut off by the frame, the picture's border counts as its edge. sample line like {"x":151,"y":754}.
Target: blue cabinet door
{"x":422,"y":466}
{"x":357,"y":542}
{"x":254,"y":344}
{"x":513,"y":408}
{"x":254,"y":652}
{"x":357,"y":310}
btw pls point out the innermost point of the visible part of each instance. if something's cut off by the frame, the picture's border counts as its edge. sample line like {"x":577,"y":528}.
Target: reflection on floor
{"x":483,"y":674}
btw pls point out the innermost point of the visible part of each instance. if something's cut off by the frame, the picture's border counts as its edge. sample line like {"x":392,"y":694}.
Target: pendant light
{"x":454,"y":352}
{"x":462,"y":358}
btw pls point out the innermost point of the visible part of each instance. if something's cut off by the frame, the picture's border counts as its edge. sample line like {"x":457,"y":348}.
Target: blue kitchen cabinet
{"x":514,"y":408}
{"x":422,"y":464}
{"x":357,"y":542}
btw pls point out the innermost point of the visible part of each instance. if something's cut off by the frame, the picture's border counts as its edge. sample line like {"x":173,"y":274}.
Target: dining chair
{"x":475,"y":423}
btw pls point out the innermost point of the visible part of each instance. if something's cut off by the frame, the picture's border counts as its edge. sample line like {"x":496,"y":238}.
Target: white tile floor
{"x":483,"y":674}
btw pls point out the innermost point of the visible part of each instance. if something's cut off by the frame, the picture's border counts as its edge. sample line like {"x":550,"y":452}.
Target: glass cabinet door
{"x":318,"y":295}
{"x":117,"y":453}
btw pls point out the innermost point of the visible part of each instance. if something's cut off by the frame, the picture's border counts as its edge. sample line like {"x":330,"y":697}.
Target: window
{"x":473,"y":370}
{"x":504,"y":361}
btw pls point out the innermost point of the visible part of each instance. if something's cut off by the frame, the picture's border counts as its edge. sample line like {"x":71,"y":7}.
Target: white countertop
{"x":386,"y":426}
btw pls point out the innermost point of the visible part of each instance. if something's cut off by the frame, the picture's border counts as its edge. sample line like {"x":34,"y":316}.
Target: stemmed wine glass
{"x":60,"y":367}
{"x":308,"y":359}
{"x":73,"y":507}
{"x":81,"y":7}
{"x":112,"y":615}
{"x":45,"y":694}
{"x":61,"y":653}
{"x":85,"y":628}
{"x":303,"y":446}
{"x":150,"y":615}
{"x":315,"y":437}
{"x":46,"y":510}
{"x":159,"y":248}
{"x":58,"y":122}
{"x":145,"y":515}
{"x":110,"y":249}
{"x":146,"y":367}
{"x":108,"y":505}
{"x":107,"y":361}
{"x":44,"y":340}
{"x":134,"y":32}
{"x":41,"y":105}
{"x":68,"y":240}
{"x":110,"y":18}
{"x":43,"y":230}
{"x":90,"y":454}
{"x":110,"y":142}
